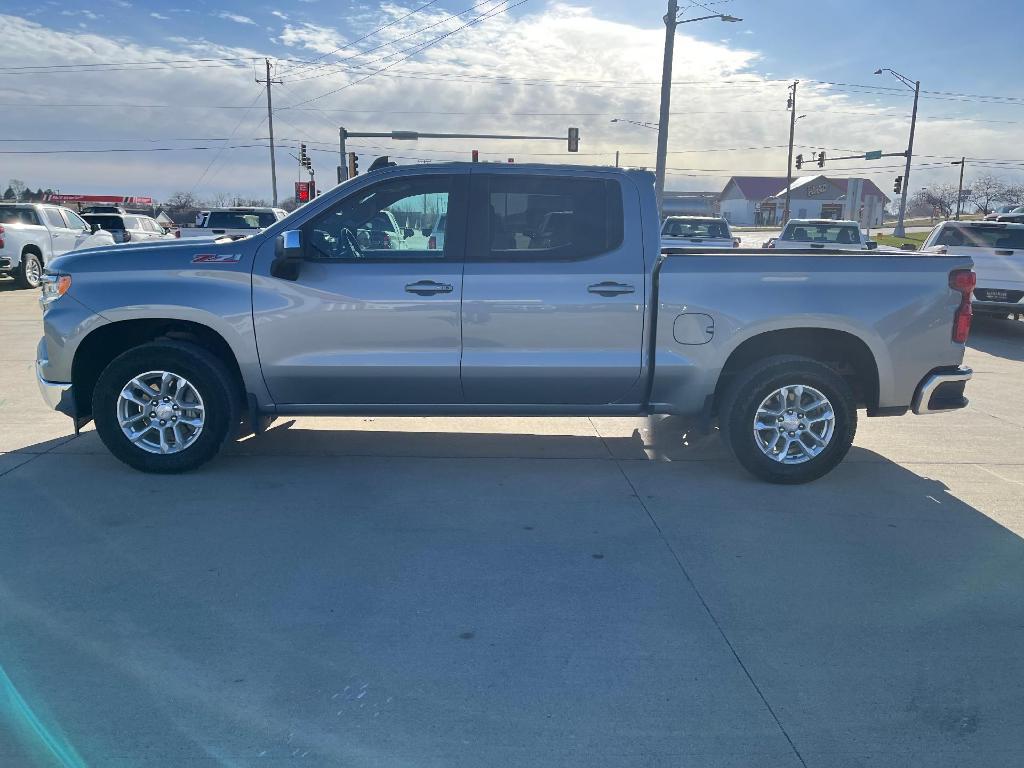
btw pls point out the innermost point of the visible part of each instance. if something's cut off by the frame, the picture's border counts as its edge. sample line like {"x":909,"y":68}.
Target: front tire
{"x":165,"y":406}
{"x":789,"y":419}
{"x":30,"y":274}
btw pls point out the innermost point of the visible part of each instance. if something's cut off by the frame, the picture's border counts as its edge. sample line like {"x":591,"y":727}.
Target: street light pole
{"x":899,"y":230}
{"x":671,"y":22}
{"x":960,"y":189}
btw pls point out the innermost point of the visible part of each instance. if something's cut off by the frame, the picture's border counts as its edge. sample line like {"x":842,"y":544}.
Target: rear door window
{"x":694,"y":228}
{"x":54,"y":218}
{"x":551,"y":218}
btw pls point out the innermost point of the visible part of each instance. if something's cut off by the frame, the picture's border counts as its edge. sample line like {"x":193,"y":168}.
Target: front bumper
{"x":56,"y":394}
{"x":942,"y":390}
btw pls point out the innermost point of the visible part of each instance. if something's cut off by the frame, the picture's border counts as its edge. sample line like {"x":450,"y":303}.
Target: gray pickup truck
{"x":549,"y":295}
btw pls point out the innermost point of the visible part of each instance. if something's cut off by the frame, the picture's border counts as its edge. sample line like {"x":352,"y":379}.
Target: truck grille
{"x":998,"y":294}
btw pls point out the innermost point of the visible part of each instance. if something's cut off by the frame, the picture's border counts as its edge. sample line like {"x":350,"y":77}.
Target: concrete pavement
{"x":543,"y":592}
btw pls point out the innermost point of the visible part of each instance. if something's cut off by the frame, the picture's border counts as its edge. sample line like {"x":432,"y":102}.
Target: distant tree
{"x":986,"y":191}
{"x":219,"y":199}
{"x":289,"y":204}
{"x":9,"y":194}
{"x":940,"y":198}
{"x":18,"y":187}
{"x":181,"y":201}
{"x":255,"y":202}
{"x":1013,"y":194}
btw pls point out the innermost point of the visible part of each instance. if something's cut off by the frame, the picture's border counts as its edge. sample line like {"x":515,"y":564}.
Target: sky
{"x":80,"y":86}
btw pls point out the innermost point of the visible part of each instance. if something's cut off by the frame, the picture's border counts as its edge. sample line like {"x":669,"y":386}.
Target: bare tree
{"x":219,"y":199}
{"x":181,"y":201}
{"x":939,"y":197}
{"x":18,"y":187}
{"x":986,"y":191}
{"x":1013,"y":194}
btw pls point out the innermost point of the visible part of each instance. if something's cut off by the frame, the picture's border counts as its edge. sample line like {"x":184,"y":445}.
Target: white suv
{"x":998,"y":251}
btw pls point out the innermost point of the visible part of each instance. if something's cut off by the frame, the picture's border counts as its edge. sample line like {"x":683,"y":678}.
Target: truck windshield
{"x":821,"y":233}
{"x":695,"y":228}
{"x":11,"y":215}
{"x":240,"y":219}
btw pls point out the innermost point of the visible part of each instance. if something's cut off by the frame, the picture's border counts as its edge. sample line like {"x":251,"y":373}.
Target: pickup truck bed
{"x":549,"y":295}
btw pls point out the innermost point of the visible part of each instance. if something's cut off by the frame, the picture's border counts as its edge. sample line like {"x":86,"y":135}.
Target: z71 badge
{"x":216,"y":258}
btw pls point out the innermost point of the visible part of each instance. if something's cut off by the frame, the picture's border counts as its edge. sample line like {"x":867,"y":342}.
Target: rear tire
{"x":30,"y":273}
{"x":791,"y":399}
{"x":204,"y":407}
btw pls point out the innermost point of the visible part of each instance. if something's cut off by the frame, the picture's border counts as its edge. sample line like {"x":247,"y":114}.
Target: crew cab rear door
{"x":553,"y":293}
{"x":365,"y":322}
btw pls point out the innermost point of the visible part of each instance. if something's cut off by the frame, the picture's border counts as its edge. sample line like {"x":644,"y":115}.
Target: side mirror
{"x":908,"y":247}
{"x":407,"y":232}
{"x":871,"y":245}
{"x":95,"y":227}
{"x":288,"y":255}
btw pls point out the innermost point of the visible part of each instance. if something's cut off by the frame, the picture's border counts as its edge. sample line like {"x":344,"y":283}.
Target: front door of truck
{"x":553,"y":295}
{"x":368,"y":320}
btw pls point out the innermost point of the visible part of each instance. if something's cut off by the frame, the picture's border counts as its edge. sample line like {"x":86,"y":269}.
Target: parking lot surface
{"x":513,"y":592}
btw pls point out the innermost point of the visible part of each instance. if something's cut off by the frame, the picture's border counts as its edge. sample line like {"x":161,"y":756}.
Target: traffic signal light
{"x":821,"y":159}
{"x":574,"y":139}
{"x":353,"y":164}
{"x":799,"y":162}
{"x":897,"y":186}
{"x":304,"y":159}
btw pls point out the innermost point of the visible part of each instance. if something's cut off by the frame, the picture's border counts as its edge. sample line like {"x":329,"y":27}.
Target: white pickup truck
{"x":818,"y":234}
{"x":697,"y":231}
{"x":239,"y":221}
{"x":31,"y":235}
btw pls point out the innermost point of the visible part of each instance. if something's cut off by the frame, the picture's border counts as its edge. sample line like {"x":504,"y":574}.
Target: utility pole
{"x":671,"y":22}
{"x":960,"y":189}
{"x":616,"y":158}
{"x":789,"y":161}
{"x":270,"y":121}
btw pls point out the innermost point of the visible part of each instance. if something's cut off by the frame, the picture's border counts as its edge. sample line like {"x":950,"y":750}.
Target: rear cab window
{"x":105,"y":221}
{"x":15,"y":215}
{"x":535,"y":217}
{"x":821,"y":233}
{"x":695,"y":228}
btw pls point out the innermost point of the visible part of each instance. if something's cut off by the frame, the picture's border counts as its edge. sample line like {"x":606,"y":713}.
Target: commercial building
{"x":761,"y":200}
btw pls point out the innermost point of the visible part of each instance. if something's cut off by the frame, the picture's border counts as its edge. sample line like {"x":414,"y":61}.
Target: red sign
{"x":305,"y":191}
{"x":113,"y":199}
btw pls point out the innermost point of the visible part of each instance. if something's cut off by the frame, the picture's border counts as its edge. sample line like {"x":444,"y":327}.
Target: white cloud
{"x":279,"y":15}
{"x":558,"y":43}
{"x":238,"y":19}
{"x":160,"y":16}
{"x":87,"y":14}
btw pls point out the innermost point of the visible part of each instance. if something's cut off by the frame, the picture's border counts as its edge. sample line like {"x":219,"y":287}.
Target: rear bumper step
{"x":942,"y":390}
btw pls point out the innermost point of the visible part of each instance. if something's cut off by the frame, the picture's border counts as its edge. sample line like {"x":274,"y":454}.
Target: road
{"x":513,"y":592}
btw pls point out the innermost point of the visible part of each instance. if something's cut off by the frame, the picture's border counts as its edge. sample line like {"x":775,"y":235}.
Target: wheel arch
{"x":110,"y":340}
{"x":847,"y":353}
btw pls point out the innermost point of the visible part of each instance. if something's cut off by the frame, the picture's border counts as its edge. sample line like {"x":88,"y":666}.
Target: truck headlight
{"x":54,"y":286}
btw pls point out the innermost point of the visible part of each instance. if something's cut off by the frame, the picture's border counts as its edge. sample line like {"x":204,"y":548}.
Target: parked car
{"x":32,"y":234}
{"x":238,"y":221}
{"x":780,"y":347}
{"x":999,"y":211}
{"x":997,"y":249}
{"x":807,"y":234}
{"x":697,"y":231}
{"x":1016,"y":216}
{"x":128,"y":228}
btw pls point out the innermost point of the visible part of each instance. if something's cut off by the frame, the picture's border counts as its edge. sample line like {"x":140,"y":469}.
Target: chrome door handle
{"x":610,"y":288}
{"x":428,"y":288}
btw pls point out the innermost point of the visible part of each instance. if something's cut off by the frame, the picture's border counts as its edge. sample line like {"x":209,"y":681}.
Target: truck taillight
{"x":432,"y":241}
{"x":962,"y":281}
{"x":1,"y":235}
